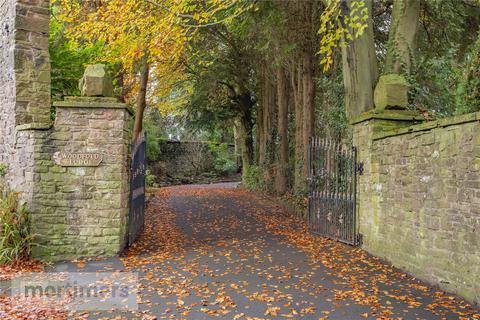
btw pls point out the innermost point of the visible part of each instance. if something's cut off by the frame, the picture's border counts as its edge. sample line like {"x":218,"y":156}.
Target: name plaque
{"x":68,"y":159}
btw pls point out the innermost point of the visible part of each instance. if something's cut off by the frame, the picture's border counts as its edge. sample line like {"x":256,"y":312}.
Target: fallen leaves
{"x":31,"y":308}
{"x":272,"y":311}
{"x":229,"y":254}
{"x":18,"y":267}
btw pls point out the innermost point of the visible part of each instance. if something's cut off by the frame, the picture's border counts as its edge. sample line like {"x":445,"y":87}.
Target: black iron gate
{"x":332,"y":180}
{"x":137,"y":188}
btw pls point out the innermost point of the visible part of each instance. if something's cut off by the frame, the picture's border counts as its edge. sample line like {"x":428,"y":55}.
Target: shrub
{"x":15,"y":237}
{"x":224,"y":161}
{"x":253,"y":178}
{"x":150,"y":179}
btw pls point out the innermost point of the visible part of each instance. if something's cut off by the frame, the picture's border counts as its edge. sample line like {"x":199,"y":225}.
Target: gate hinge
{"x":359,"y":168}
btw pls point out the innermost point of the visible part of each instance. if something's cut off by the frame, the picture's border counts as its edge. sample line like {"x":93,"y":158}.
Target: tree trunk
{"x":260,"y":141}
{"x":308,"y":108}
{"x":237,"y":139}
{"x":120,"y":82}
{"x":243,"y":147}
{"x":248,"y":141}
{"x":268,"y":115}
{"x":244,"y":125}
{"x":282,"y":102}
{"x":401,"y":39}
{"x":360,"y":71}
{"x":268,"y":111}
{"x":141,"y":98}
{"x":297,"y":89}
{"x":262,"y":107}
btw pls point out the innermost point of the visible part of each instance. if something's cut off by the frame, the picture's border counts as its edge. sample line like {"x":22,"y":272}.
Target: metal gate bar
{"x":137,"y":188}
{"x":332,"y":190}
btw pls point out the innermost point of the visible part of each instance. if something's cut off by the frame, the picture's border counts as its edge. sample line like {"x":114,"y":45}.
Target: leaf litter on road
{"x":227,"y":253}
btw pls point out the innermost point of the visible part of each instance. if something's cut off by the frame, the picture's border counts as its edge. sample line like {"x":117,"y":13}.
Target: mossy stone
{"x":391,"y":92}
{"x":96,"y":82}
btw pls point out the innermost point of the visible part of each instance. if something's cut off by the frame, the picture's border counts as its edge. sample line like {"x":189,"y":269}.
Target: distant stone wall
{"x":185,"y":157}
{"x":181,"y":161}
{"x":419,"y":197}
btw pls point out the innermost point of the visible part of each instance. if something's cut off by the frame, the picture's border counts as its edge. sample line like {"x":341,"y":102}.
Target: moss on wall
{"x":419,"y":198}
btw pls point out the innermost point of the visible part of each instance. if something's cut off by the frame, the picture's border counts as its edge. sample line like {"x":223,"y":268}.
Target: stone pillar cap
{"x":96,"y":82}
{"x":391,"y":92}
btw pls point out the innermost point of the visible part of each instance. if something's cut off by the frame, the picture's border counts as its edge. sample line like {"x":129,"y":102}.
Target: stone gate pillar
{"x":73,"y":173}
{"x":83,"y":193}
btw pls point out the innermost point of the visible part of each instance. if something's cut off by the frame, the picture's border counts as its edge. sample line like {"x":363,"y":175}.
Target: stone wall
{"x":32,"y":63}
{"x":419,"y":197}
{"x":82,"y":211}
{"x":185,"y":157}
{"x":185,"y":161}
{"x":24,"y":89}
{"x":7,"y":77}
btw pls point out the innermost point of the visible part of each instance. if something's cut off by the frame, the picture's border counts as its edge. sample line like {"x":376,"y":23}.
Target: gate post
{"x":74,"y":175}
{"x":365,"y":127}
{"x":83,"y":208}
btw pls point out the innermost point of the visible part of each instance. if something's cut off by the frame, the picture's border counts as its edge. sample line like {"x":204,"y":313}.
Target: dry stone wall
{"x":419,"y":198}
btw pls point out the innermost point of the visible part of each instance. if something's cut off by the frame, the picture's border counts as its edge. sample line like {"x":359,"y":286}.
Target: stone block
{"x":391,"y":92}
{"x":96,"y":82}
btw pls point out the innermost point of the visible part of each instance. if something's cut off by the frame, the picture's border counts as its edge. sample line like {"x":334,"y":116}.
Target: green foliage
{"x":224,"y":161}
{"x":158,"y":127}
{"x":150,"y":179}
{"x":445,"y":86}
{"x":15,"y":237}
{"x":253,"y":178}
{"x":153,"y":137}
{"x":435,"y":91}
{"x":331,"y":119}
{"x":447,"y":24}
{"x":468,"y":90}
{"x":68,"y":61}
{"x":219,"y":76}
{"x":443,"y":81}
{"x":3,"y":169}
